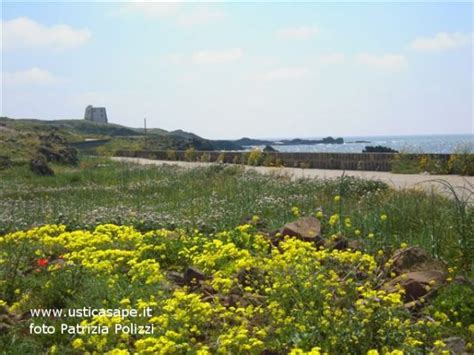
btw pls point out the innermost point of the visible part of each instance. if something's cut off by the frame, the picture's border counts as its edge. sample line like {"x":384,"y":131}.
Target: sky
{"x":228,"y":70}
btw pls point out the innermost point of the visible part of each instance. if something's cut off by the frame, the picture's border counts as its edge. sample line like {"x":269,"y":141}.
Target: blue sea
{"x":408,"y":144}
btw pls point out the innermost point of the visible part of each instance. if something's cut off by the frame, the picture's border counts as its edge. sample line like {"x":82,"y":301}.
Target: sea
{"x":407,"y":144}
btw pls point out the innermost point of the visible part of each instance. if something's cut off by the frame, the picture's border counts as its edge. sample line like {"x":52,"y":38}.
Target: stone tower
{"x":95,"y":114}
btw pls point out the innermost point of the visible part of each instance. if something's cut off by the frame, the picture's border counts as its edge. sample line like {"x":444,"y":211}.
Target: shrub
{"x":190,"y":154}
{"x":461,"y":163}
{"x":205,"y":157}
{"x":404,"y":163}
{"x":221,"y":158}
{"x":255,"y":157}
{"x":269,"y":160}
{"x":171,"y":155}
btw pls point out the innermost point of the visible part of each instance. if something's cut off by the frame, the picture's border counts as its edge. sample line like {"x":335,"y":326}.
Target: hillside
{"x":21,"y":138}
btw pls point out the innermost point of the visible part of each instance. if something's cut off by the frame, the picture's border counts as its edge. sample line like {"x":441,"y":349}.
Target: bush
{"x":255,"y":157}
{"x":190,"y":154}
{"x":221,"y":158}
{"x":205,"y":157}
{"x":461,"y":163}
{"x":404,"y":163}
{"x":457,"y":301}
{"x":269,"y":160}
{"x":171,"y":155}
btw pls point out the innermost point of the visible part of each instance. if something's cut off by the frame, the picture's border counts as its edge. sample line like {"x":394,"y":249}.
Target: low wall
{"x":339,"y":161}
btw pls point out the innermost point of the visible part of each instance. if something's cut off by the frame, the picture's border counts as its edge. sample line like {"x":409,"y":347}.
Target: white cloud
{"x":385,"y":62}
{"x":441,"y":42}
{"x":214,"y":57}
{"x":301,"y":32}
{"x":23,"y":32}
{"x":331,"y":58}
{"x":33,"y":76}
{"x":286,"y":73}
{"x":199,"y":16}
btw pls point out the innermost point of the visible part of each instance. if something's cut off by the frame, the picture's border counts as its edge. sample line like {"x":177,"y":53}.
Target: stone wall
{"x":339,"y":161}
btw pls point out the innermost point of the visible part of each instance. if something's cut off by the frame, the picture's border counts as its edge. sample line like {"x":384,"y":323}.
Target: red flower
{"x":42,"y":262}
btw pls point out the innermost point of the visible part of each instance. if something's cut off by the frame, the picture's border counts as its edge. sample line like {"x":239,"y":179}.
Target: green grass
{"x":216,"y":198}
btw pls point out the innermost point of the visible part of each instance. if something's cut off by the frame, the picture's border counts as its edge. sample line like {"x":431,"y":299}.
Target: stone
{"x":65,"y":155}
{"x":306,"y":228}
{"x":416,"y":284}
{"x":355,"y":245}
{"x":339,"y":243}
{"x":193,"y":275}
{"x":413,"y":259}
{"x":175,"y":277}
{"x":405,"y":259}
{"x":5,"y":162}
{"x":455,"y":345}
{"x":40,"y":167}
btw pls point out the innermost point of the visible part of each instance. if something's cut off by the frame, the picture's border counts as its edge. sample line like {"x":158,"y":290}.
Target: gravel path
{"x":461,"y":184}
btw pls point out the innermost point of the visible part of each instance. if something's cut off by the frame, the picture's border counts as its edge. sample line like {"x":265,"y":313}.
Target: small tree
{"x":190,"y":154}
{"x":221,"y":158}
{"x":205,"y":157}
{"x":255,"y":157}
{"x":171,"y":154}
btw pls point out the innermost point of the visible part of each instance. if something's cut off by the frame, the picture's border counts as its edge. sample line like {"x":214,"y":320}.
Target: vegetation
{"x":461,"y":163}
{"x":20,"y":139}
{"x":101,"y":191}
{"x":118,"y":236}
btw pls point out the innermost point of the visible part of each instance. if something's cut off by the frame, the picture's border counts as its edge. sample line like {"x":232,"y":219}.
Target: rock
{"x":455,"y":345}
{"x":416,"y":284}
{"x":175,"y":277}
{"x":66,"y":155}
{"x":5,"y":162}
{"x":355,"y":245}
{"x":268,"y":148}
{"x":307,"y":229}
{"x":193,"y":275}
{"x":39,"y":167}
{"x":413,"y":259}
{"x":339,"y":243}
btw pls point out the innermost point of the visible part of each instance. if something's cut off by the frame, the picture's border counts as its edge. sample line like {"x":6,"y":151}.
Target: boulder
{"x":413,"y":259}
{"x":355,"y":245}
{"x":416,"y":284}
{"x":306,"y":228}
{"x":455,"y":345}
{"x":192,"y":275}
{"x":5,"y":162}
{"x":66,"y":155}
{"x":175,"y":277}
{"x":339,"y":243}
{"x":39,"y":167}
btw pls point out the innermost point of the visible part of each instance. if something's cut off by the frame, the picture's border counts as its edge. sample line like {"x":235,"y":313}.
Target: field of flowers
{"x":229,"y":292}
{"x":194,"y":253}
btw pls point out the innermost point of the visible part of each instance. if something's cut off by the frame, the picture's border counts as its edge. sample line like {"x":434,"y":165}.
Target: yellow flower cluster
{"x":294,"y":297}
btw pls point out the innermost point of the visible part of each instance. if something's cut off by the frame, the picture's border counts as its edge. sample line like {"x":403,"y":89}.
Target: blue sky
{"x":227,"y":70}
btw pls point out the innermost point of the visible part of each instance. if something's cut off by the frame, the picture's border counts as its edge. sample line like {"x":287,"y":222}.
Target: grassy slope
{"x":19,"y":138}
